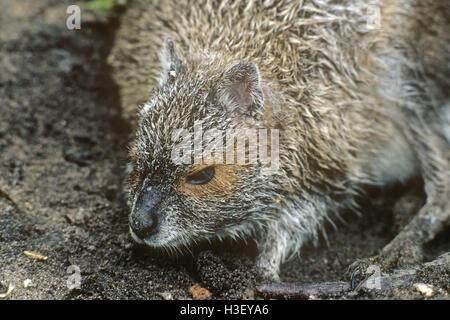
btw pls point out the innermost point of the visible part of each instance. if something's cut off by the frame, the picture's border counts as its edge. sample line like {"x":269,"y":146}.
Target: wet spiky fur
{"x":355,"y":105}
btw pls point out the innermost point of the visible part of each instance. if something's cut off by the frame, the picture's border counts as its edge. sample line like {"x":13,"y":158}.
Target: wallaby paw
{"x":266,"y":273}
{"x":394,"y":256}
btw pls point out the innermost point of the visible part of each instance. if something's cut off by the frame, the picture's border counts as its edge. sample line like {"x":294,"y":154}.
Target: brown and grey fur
{"x":356,"y":106}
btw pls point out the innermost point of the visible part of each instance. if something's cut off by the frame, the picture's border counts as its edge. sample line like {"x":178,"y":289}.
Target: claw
{"x":358,"y":273}
{"x":353,"y":283}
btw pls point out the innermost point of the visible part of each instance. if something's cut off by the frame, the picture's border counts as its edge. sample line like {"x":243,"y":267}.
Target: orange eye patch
{"x":220,"y":185}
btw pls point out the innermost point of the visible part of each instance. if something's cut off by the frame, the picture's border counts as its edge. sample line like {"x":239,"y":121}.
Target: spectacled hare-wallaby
{"x":359,"y":91}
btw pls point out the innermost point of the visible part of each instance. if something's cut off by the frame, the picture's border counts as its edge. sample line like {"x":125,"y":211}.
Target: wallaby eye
{"x":201,"y":177}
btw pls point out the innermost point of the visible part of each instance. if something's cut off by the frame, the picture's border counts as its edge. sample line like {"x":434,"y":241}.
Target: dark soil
{"x":62,"y":156}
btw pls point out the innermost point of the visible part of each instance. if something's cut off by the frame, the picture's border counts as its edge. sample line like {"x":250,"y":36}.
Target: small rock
{"x":27,"y":205}
{"x":165,"y":295}
{"x":249,"y":295}
{"x":425,"y":289}
{"x":199,"y":293}
{"x":28,"y":283}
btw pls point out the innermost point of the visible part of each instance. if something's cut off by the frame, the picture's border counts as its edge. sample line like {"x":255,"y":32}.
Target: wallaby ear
{"x":240,"y":90}
{"x":172,"y":65}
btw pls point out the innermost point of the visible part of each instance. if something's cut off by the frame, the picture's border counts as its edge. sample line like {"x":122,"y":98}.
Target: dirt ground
{"x":62,"y":156}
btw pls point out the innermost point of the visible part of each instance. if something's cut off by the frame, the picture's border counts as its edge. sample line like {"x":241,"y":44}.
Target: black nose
{"x":144,"y":220}
{"x":144,"y":225}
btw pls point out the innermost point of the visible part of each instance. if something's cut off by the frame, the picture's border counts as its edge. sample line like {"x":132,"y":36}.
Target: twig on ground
{"x":398,"y":279}
{"x":6,"y":196}
{"x":35,"y":255}
{"x":8,"y":291}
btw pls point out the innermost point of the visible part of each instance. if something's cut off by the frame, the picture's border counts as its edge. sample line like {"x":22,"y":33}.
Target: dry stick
{"x":6,"y":196}
{"x":302,"y":291}
{"x":8,"y":291}
{"x":400,"y":278}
